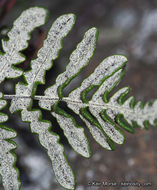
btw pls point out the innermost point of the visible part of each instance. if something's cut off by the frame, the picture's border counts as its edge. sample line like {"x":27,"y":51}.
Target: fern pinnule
{"x":18,"y":37}
{"x":8,"y":171}
{"x":132,"y":111}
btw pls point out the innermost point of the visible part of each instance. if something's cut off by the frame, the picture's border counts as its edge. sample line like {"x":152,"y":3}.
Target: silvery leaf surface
{"x":78,"y":59}
{"x":49,"y":52}
{"x":105,"y":76}
{"x":8,"y":171}
{"x":104,"y":114}
{"x":18,"y":40}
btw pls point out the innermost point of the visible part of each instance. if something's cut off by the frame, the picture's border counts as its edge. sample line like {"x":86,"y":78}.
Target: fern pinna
{"x":103,"y":115}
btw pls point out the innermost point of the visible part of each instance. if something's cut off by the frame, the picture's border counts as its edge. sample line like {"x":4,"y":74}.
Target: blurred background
{"x":126,"y":27}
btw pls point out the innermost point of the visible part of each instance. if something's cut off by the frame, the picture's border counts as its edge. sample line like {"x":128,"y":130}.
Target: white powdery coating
{"x":2,"y":104}
{"x":115,"y":97}
{"x":50,"y":49}
{"x":46,"y":54}
{"x":135,"y":117}
{"x":8,"y":173}
{"x":110,"y":130}
{"x":115,"y":135}
{"x":113,"y":106}
{"x":55,"y":151}
{"x":105,"y":68}
{"x":75,"y":135}
{"x":97,"y":134}
{"x":127,"y":103}
{"x":3,"y":117}
{"x":138,"y":114}
{"x":18,"y":37}
{"x":78,"y":59}
{"x":112,"y":111}
{"x":106,"y":85}
{"x":19,"y":103}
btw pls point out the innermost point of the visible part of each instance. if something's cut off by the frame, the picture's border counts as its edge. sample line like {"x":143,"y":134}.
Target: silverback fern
{"x":102,"y":115}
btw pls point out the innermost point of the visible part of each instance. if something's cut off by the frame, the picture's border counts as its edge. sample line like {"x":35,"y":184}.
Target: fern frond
{"x":102,"y":114}
{"x":55,"y":151}
{"x":7,"y":158}
{"x":104,"y":79}
{"x":46,"y":54}
{"x":78,"y":59}
{"x":131,"y":112}
{"x":18,"y":37}
{"x":110,"y":71}
{"x":43,"y":62}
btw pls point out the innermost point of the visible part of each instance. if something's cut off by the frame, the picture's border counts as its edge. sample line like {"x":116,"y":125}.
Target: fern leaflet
{"x":7,"y":159}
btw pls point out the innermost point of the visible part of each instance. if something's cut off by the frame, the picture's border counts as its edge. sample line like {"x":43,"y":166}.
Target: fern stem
{"x":66,"y":99}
